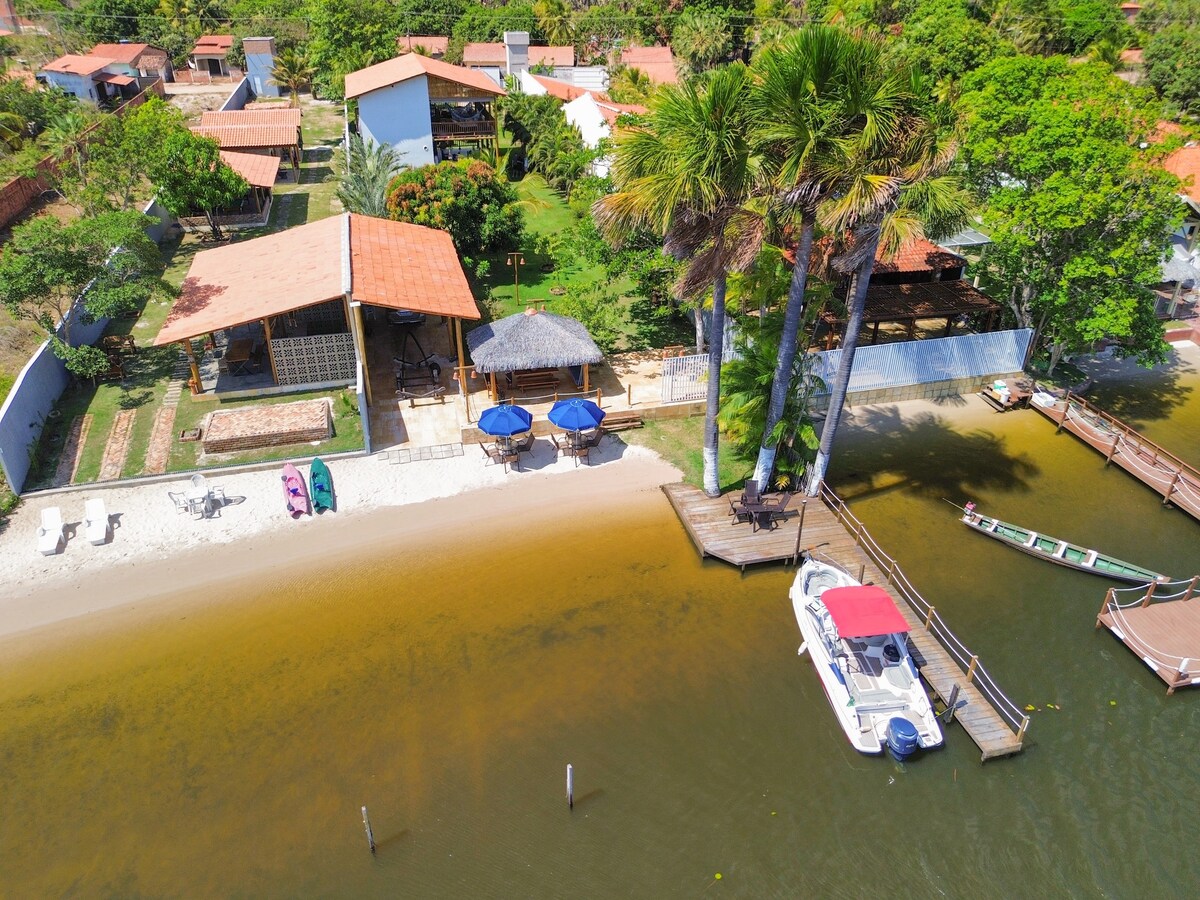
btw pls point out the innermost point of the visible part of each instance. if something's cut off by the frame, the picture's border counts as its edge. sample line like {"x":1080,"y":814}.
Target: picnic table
{"x":536,"y":378}
{"x":119,"y":343}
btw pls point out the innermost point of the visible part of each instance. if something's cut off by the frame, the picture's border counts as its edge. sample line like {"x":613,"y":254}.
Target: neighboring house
{"x":261,"y":131}
{"x":592,"y":112}
{"x":1177,"y":293}
{"x":1131,"y":11}
{"x":210,"y":55}
{"x":273,"y":114}
{"x":658,"y":63}
{"x":424,"y":108}
{"x":10,"y":21}
{"x":434,"y":45}
{"x":254,"y":209}
{"x":516,"y":55}
{"x":260,"y":65}
{"x":96,"y":79}
{"x":141,"y":61}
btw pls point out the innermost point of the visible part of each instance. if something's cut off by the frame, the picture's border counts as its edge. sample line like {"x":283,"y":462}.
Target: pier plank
{"x":714,"y":532}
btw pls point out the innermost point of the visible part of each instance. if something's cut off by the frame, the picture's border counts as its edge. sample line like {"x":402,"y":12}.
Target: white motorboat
{"x":856,"y":638}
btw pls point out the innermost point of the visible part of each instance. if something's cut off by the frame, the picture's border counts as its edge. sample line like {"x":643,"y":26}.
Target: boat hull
{"x":863,"y":700}
{"x":321,"y":484}
{"x":1061,"y":553}
{"x":295,"y":492}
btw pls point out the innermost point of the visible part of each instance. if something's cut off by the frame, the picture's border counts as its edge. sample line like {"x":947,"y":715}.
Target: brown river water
{"x":226,"y":749}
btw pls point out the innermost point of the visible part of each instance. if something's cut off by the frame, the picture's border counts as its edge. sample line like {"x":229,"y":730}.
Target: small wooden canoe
{"x":1061,"y":553}
{"x":295,"y":493}
{"x":321,"y":485}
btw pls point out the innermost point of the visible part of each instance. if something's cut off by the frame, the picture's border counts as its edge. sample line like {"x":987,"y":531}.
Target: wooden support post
{"x":1113,"y":449}
{"x":492,"y":388}
{"x":891,"y":573}
{"x":971,"y":668}
{"x":1192,"y":588}
{"x":929,"y":618}
{"x":862,"y":571}
{"x":1149,"y":594}
{"x":586,"y":382}
{"x":799,"y":531}
{"x":1066,"y":412}
{"x":570,"y":786}
{"x":191,"y":355}
{"x":951,"y":702}
{"x":270,"y":356}
{"x":1170,"y":487}
{"x":629,"y":394}
{"x":370,"y":834}
{"x":1021,"y":731}
{"x":1108,"y":598}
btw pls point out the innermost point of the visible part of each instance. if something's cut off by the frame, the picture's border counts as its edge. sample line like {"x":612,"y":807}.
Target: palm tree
{"x":554,"y":19}
{"x":12,"y":132}
{"x":899,"y":181}
{"x":629,"y":84}
{"x":369,"y":169}
{"x":292,"y":71}
{"x":686,"y":174}
{"x":815,"y":89}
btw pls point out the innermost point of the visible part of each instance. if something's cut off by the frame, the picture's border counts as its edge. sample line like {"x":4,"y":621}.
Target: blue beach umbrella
{"x":505,"y":421}
{"x":576,"y":415}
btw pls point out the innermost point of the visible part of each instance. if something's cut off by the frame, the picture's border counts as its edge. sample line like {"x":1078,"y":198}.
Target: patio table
{"x":199,"y":500}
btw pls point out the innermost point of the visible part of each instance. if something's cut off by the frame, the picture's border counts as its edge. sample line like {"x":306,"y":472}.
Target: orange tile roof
{"x":1184,"y":164}
{"x":563,"y":90}
{"x":1132,"y":57}
{"x":405,"y":266}
{"x":491,"y":54}
{"x":71,"y":64}
{"x":276,"y":115}
{"x":918,"y":255}
{"x":109,"y":78}
{"x":657,"y":62}
{"x":412,"y":65}
{"x":434,"y":43}
{"x":126,"y":53}
{"x":392,"y":264}
{"x":613,"y":111}
{"x":259,"y":169}
{"x":213,"y":44}
{"x":249,"y":137}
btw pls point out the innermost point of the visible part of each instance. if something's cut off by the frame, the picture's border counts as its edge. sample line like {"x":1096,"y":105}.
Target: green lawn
{"x":347,"y":430}
{"x":681,"y":443}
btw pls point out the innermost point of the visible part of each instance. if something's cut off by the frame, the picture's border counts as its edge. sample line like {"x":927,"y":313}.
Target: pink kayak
{"x":295,"y":494}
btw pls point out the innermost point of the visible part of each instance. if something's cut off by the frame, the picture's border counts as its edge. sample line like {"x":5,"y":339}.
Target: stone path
{"x":158,"y":453}
{"x":117,"y":447}
{"x":68,"y":463}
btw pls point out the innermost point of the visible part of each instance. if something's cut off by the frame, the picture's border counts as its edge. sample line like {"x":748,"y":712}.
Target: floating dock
{"x":1174,"y":480}
{"x":1161,"y":624}
{"x":826,"y":525}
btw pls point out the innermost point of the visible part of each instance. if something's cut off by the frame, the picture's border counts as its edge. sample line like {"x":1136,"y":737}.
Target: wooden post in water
{"x":1113,"y":449}
{"x":1191,"y":588}
{"x":1170,"y":487}
{"x":862,"y":571}
{"x":1022,"y":729}
{"x":1149,"y":594}
{"x":570,"y":786}
{"x":971,"y":668}
{"x":929,"y":618}
{"x":1066,"y":412}
{"x":370,"y":834}
{"x":1108,"y":598}
{"x":951,"y":702}
{"x":799,"y":531}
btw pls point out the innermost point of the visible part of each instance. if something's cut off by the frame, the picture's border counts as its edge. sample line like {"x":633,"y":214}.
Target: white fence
{"x":880,"y":367}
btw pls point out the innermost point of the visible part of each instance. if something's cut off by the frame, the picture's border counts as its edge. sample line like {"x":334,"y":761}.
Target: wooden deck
{"x":1174,"y":480}
{"x":1161,"y":624}
{"x":830,"y":531}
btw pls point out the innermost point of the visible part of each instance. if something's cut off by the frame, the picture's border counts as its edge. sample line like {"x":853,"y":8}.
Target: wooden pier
{"x":1173,"y":479}
{"x":826,"y":526}
{"x":1161,"y":624}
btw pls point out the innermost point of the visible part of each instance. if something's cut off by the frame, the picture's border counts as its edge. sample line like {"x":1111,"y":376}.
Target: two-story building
{"x":425,"y":109}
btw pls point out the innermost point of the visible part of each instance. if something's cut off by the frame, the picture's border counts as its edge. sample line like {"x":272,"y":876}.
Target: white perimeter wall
{"x":399,"y":116}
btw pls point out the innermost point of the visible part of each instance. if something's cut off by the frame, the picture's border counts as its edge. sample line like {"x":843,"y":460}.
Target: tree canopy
{"x":466,"y":199}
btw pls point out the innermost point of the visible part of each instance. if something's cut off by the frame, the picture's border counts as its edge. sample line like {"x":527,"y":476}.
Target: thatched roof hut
{"x":533,"y":339}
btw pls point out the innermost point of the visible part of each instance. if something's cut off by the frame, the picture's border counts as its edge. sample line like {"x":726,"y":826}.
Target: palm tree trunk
{"x":837,"y":396}
{"x":788,"y":344}
{"x":716,"y":345}
{"x":699,"y":313}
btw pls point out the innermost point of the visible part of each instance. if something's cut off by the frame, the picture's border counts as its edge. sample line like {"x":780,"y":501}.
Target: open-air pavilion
{"x":908,"y":305}
{"x":295,"y":310}
{"x":526,"y":351}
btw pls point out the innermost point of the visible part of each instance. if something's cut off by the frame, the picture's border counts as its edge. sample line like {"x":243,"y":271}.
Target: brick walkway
{"x":117,"y":447}
{"x":68,"y":463}
{"x":158,"y":453}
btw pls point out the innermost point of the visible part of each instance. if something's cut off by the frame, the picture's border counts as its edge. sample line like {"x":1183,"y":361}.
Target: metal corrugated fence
{"x":922,"y":362}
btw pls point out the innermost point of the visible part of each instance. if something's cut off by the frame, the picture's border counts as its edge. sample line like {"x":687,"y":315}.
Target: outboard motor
{"x":901,"y":738}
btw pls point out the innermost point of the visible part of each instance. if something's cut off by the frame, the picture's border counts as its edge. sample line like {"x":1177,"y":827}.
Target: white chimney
{"x":516,"y":52}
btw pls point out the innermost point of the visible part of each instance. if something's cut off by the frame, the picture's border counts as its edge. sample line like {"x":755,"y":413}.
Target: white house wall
{"x":583,"y":113}
{"x":399,"y":116}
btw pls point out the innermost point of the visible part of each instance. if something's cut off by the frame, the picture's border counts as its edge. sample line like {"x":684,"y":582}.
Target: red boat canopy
{"x":860,"y":612}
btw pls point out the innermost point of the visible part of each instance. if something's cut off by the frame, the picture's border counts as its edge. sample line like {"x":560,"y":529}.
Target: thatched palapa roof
{"x":532,"y":340}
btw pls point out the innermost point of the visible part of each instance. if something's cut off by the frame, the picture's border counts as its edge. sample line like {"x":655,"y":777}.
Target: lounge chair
{"x":95,"y":522}
{"x":50,"y":532}
{"x":180,"y":500}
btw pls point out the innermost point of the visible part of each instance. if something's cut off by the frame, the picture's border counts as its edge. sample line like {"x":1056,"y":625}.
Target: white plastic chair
{"x":50,"y":532}
{"x":95,"y":522}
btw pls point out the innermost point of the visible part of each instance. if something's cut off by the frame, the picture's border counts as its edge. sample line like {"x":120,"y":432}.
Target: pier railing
{"x":1121,"y":431}
{"x":934,"y":624}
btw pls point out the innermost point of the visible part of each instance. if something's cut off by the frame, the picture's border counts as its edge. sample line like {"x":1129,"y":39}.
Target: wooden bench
{"x":537,"y":378}
{"x":619,"y":421}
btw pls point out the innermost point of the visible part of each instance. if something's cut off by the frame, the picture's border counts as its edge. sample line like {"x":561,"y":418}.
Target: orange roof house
{"x":657,"y":62}
{"x":1184,"y":164}
{"x":494,"y":55}
{"x":104,"y":78}
{"x":278,"y":138}
{"x":425,"y":109}
{"x":326,"y":272}
{"x":434,"y":44}
{"x":209,"y":54}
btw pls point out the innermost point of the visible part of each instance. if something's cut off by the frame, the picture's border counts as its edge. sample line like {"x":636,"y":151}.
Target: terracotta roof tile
{"x":434,"y":43}
{"x":657,"y":62}
{"x":613,"y":111}
{"x":918,"y":256}
{"x":119,"y":80}
{"x":492,"y":54}
{"x":277,"y":115}
{"x":249,"y":137}
{"x":126,"y":53}
{"x":72,"y":64}
{"x":259,"y":169}
{"x":213,"y":44}
{"x":1184,"y":164}
{"x":412,"y":65}
{"x":563,"y":90}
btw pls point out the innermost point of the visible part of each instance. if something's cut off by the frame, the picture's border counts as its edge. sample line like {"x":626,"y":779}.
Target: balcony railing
{"x":480,"y":128}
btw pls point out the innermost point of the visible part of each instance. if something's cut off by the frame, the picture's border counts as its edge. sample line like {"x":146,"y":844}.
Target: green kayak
{"x":321,"y":486}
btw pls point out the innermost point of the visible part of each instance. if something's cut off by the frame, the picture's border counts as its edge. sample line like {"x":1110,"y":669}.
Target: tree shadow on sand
{"x":923,"y":454}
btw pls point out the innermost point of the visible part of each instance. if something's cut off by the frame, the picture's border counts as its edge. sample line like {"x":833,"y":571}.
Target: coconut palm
{"x":554,"y":19}
{"x":686,"y":173}
{"x":291,"y":72}
{"x":369,"y":169}
{"x":816,"y":90}
{"x":12,"y":132}
{"x":630,"y":84}
{"x":899,"y":183}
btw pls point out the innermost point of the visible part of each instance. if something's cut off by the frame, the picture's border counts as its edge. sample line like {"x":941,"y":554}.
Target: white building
{"x":592,"y":112}
{"x":426,"y":109}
